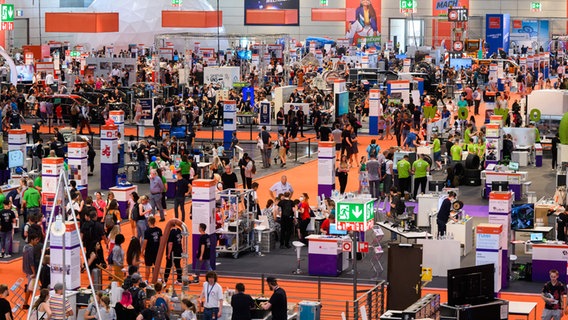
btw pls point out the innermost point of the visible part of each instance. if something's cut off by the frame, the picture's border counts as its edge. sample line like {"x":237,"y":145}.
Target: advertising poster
{"x":525,"y":32}
{"x":442,"y":29}
{"x":272,"y":5}
{"x":363,"y":21}
{"x":497,"y":32}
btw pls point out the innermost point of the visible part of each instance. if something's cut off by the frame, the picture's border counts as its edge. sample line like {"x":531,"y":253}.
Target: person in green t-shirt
{"x":456,"y":151}
{"x":472,"y":148}
{"x":437,"y":149}
{"x":2,"y":197}
{"x":32,"y":199}
{"x":467,"y":134}
{"x":403,"y":169}
{"x":185,"y":167}
{"x":481,"y":151}
{"x":153,"y":164}
{"x":38,"y":183}
{"x":420,"y":169}
{"x":536,"y":133}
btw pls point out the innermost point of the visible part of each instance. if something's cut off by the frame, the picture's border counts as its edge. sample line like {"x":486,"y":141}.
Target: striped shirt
{"x":56,"y":304}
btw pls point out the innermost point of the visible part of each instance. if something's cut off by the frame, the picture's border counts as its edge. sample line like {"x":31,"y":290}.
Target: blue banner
{"x":497,"y":32}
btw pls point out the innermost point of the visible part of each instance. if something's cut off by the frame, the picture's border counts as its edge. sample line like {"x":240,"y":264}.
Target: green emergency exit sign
{"x":536,"y":6}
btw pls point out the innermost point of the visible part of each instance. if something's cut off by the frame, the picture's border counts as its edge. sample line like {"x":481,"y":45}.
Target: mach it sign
{"x":7,"y":17}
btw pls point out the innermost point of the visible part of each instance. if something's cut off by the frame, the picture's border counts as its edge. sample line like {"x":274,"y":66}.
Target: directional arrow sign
{"x":7,"y":14}
{"x":354,"y":214}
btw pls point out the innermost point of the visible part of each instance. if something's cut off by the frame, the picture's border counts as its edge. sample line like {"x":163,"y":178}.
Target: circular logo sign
{"x":346,"y":246}
{"x":452,"y":15}
{"x":458,"y":46}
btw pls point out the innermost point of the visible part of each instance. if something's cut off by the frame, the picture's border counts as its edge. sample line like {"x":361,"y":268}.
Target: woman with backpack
{"x":160,"y":302}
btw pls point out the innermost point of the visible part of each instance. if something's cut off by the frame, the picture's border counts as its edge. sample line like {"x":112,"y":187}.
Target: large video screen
{"x":341,"y":103}
{"x":272,"y":5}
{"x":522,"y":216}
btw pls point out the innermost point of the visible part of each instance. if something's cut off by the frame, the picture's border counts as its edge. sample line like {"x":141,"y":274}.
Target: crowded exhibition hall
{"x":283,"y":159}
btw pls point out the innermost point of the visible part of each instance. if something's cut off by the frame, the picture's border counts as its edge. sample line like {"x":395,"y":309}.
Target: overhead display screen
{"x":257,"y":12}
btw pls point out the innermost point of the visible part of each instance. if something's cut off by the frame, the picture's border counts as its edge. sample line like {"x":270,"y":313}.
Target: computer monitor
{"x":513,"y":166}
{"x":522,"y":216}
{"x":436,"y":186}
{"x":500,"y":186}
{"x":536,"y":237}
{"x":333,"y":230}
{"x":471,"y":285}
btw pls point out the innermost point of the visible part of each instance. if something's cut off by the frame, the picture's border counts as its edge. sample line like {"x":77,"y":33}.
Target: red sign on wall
{"x":517,"y":24}
{"x":494,"y":22}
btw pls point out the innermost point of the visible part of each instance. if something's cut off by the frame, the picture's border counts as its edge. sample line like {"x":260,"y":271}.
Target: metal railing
{"x":334,"y":294}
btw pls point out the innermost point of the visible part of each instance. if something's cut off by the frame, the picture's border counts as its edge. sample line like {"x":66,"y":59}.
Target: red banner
{"x":441,"y":28}
{"x":363,"y":19}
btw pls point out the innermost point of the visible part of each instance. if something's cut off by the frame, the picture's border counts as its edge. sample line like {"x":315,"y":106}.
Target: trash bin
{"x":309,"y":310}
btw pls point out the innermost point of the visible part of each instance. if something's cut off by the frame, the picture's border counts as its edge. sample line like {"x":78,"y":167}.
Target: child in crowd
{"x":118,"y":256}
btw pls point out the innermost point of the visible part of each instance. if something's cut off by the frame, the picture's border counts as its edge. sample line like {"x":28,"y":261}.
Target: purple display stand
{"x":538,"y":161}
{"x":324,"y":265}
{"x":540,"y":269}
{"x":84,"y":190}
{"x":108,"y":179}
{"x":171,"y":193}
{"x":325,"y":189}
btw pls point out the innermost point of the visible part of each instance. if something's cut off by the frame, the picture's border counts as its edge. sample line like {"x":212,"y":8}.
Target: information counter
{"x":326,"y":256}
{"x":517,"y":182}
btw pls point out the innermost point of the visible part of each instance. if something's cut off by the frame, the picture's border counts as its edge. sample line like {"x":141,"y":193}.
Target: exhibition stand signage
{"x":488,"y":249}
{"x":355,"y":214}
{"x":203,"y":193}
{"x":326,"y":168}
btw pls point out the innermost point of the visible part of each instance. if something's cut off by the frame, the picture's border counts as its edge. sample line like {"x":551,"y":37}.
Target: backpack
{"x":160,"y":309}
{"x":253,"y":170}
{"x":135,"y":212}
{"x":383,"y":169}
{"x":373,"y":152}
{"x":286,"y":143}
{"x":138,"y":298}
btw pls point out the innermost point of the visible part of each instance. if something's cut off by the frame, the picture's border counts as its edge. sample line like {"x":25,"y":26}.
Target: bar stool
{"x":298,"y":245}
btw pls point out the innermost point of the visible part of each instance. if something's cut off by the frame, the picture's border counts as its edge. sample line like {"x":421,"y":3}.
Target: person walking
{"x":174,"y":251}
{"x":249,"y":174}
{"x":203,"y":251}
{"x":374,"y":176}
{"x":266,"y":147}
{"x":343,"y":173}
{"x":156,"y":189}
{"x":151,"y":244}
{"x":287,"y":219}
{"x":7,"y":220}
{"x":183,"y":189}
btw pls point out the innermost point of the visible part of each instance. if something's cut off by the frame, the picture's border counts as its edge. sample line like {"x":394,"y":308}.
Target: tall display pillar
{"x":326,"y":168}
{"x":51,"y":168}
{"x":17,"y":141}
{"x":339,"y":85}
{"x":488,"y":249}
{"x":109,"y":156}
{"x":78,"y":168}
{"x":500,"y":205}
{"x":118,"y":117}
{"x":203,"y":211}
{"x":494,"y":143}
{"x":72,"y":252}
{"x":229,"y":122}
{"x":546,"y":68}
{"x":374,"y":111}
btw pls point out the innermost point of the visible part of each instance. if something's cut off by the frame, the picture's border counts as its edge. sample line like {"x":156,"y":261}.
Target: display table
{"x":122,"y":194}
{"x":462,"y":231}
{"x":440,"y":255}
{"x":408,"y":235}
{"x":326,"y":256}
{"x":547,"y":256}
{"x":516,"y":181}
{"x":524,"y":309}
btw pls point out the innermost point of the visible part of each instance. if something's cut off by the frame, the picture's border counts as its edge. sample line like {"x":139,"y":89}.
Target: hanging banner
{"x":363,"y":19}
{"x":441,"y":28}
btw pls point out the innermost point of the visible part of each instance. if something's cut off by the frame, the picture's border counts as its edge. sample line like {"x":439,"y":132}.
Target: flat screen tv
{"x":436,"y":186}
{"x":471,"y":285}
{"x":341,"y":103}
{"x":522,"y":216}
